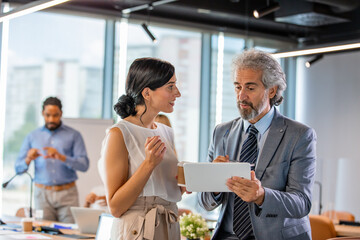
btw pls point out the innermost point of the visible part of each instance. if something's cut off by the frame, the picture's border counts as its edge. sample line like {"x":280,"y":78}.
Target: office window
{"x":223,"y":109}
{"x":49,"y":55}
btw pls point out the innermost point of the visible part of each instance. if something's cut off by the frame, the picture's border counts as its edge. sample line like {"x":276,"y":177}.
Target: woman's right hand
{"x":154,"y":150}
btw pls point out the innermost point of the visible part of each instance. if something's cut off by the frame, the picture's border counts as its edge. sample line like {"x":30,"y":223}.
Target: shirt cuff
{"x":22,"y":167}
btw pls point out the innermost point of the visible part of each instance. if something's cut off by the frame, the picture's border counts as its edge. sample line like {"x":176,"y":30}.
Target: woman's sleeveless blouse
{"x":162,"y":182}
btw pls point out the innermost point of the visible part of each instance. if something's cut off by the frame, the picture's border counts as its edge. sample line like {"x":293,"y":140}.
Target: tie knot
{"x":253,"y":130}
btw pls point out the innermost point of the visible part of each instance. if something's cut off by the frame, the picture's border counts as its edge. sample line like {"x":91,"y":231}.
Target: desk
{"x":43,"y":223}
{"x":347,"y":231}
{"x":56,"y":237}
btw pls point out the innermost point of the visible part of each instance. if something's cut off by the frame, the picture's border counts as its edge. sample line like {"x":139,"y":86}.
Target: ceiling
{"x":303,"y":22}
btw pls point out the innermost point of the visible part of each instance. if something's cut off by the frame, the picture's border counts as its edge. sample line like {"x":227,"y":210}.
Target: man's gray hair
{"x":272,"y":75}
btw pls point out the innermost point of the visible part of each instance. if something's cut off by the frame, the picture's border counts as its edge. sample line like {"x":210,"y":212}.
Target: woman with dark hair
{"x":140,"y":163}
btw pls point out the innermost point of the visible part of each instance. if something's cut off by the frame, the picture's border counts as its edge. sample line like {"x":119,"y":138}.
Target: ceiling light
{"x":316,"y":50}
{"x":30,"y":8}
{"x":145,"y":27}
{"x":267,"y":10}
{"x":312,"y":61}
{"x":146,"y":6}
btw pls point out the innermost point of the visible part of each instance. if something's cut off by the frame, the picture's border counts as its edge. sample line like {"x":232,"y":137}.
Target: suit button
{"x":134,"y":232}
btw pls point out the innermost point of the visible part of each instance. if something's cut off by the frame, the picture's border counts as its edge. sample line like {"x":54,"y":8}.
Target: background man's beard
{"x":52,"y":126}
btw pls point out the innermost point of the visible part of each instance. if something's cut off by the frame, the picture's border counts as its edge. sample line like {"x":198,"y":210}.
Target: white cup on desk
{"x":39,"y":214}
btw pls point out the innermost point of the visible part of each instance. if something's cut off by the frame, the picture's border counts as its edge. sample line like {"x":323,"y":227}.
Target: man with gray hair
{"x":276,"y":201}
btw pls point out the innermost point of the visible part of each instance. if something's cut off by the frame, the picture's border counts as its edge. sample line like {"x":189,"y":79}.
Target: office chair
{"x":339,"y":215}
{"x":322,"y":227}
{"x":345,"y":238}
{"x":21,"y":212}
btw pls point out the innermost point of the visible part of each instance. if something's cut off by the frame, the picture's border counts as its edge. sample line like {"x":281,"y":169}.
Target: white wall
{"x":330,"y":103}
{"x":93,"y":132}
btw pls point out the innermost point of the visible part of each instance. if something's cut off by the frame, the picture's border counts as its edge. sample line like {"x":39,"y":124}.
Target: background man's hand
{"x":248,"y":190}
{"x":53,"y":153}
{"x":32,"y":154}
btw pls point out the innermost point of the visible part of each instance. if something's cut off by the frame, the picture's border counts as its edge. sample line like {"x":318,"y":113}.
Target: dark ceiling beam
{"x":229,"y":16}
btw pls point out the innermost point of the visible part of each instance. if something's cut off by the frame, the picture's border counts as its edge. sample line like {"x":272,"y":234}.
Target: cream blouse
{"x":162,"y":182}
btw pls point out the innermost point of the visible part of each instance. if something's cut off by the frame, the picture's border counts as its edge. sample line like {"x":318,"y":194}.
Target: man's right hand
{"x":221,"y":159}
{"x":32,"y":154}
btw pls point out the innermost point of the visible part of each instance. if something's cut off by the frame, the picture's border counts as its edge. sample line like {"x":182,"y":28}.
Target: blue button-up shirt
{"x":50,"y":171}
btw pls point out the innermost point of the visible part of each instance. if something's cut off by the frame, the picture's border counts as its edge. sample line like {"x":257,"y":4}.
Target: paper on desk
{"x":7,"y":232}
{"x":27,"y":236}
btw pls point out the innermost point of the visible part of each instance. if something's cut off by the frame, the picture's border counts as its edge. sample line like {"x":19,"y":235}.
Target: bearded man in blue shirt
{"x":57,"y":151}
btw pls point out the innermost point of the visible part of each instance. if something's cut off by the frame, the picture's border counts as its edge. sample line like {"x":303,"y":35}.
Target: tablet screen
{"x":212,"y":177}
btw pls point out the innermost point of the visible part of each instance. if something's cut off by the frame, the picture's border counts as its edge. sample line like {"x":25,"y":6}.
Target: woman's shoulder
{"x":115,"y":130}
{"x":120,"y":125}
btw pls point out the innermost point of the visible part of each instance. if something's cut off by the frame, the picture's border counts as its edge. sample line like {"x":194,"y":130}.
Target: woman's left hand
{"x":183,"y":189}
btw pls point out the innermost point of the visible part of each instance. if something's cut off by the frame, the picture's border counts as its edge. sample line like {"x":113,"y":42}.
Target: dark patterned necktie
{"x":249,"y":152}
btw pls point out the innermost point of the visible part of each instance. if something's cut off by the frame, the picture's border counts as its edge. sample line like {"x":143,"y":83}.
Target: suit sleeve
{"x":295,"y":201}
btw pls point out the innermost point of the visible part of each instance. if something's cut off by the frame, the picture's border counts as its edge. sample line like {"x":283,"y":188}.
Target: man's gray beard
{"x":248,"y":115}
{"x":254,"y":111}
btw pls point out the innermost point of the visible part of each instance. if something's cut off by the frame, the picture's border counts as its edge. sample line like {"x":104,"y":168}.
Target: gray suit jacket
{"x":286,"y":169}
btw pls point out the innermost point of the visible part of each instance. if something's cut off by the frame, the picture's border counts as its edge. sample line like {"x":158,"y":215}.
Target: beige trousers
{"x":151,"y":218}
{"x":56,"y":204}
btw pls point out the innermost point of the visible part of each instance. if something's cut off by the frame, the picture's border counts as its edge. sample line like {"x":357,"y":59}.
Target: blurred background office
{"x":79,"y":51}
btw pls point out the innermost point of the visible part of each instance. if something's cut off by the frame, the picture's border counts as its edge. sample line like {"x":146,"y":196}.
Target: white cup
{"x":39,"y":214}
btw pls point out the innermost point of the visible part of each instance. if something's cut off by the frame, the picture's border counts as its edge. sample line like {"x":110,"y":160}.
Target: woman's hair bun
{"x":125,"y":106}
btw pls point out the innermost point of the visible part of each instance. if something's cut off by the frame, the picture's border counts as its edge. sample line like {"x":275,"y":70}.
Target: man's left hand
{"x":53,"y":153}
{"x":248,"y":190}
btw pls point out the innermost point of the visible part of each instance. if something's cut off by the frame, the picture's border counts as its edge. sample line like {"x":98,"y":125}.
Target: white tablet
{"x":212,"y":177}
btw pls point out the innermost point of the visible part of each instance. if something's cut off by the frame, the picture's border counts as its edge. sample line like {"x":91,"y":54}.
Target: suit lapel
{"x":232,"y":142}
{"x":276,"y":133}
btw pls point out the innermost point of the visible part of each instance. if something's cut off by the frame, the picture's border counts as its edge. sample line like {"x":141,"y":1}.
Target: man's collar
{"x":263,"y":124}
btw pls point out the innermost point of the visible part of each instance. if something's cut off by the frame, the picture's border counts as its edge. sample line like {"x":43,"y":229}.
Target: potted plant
{"x":193,"y":226}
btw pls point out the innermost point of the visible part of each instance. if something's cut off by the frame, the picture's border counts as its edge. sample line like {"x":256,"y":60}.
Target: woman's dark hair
{"x":143,"y":72}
